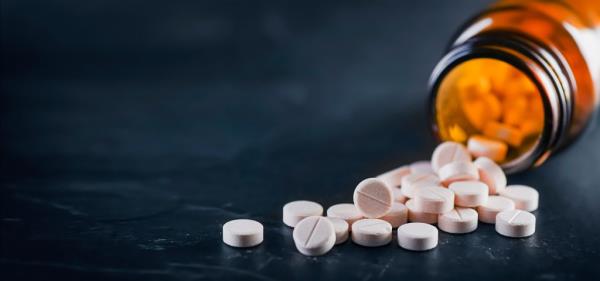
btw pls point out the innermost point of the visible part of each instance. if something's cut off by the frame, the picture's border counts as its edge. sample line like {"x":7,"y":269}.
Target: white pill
{"x":394,"y":177}
{"x":373,"y":198}
{"x":242,"y":233}
{"x":314,"y":236}
{"x":398,"y":196}
{"x":416,"y":215}
{"x":449,"y":152}
{"x":480,"y":146}
{"x":421,"y":167}
{"x":515,"y":223}
{"x":458,"y":171}
{"x":495,"y":204}
{"x":296,"y":211}
{"x":417,"y":236}
{"x":341,"y":228}
{"x":411,"y":183}
{"x":459,"y":220}
{"x":371,"y":232}
{"x":397,"y":216}
{"x":345,"y":211}
{"x":526,"y":198}
{"x":434,"y":199}
{"x":469,"y":193}
{"x":491,"y":174}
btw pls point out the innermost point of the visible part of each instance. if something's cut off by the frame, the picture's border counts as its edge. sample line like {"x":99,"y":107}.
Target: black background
{"x":132,"y":130}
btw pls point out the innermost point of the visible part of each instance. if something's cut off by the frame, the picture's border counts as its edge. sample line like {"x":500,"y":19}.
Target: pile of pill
{"x":450,"y":191}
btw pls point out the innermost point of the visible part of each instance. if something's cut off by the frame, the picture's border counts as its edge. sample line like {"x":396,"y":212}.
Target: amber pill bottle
{"x":525,"y":73}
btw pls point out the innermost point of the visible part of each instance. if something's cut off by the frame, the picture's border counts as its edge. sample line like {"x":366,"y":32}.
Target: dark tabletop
{"x":130,"y":131}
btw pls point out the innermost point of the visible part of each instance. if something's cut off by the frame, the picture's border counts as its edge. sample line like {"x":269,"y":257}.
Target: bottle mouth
{"x":505,"y":90}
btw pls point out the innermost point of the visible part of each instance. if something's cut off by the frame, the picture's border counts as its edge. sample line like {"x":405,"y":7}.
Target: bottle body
{"x":525,"y":74}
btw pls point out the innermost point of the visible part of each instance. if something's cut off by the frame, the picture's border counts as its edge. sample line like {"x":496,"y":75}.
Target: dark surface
{"x":131,"y":132}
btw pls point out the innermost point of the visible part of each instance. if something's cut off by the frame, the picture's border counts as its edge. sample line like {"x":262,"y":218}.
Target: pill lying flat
{"x":458,"y":171}
{"x":469,"y":193}
{"x":491,"y":174}
{"x":515,"y":223}
{"x":242,"y":233}
{"x":394,"y":177}
{"x":495,"y":204}
{"x":448,"y":152}
{"x":482,"y":146}
{"x":434,"y":199}
{"x":296,"y":211}
{"x":525,"y":198}
{"x":345,"y":211}
{"x":414,"y":181}
{"x":421,"y":167}
{"x":341,"y":228}
{"x":459,"y":220}
{"x":397,"y":216}
{"x":373,"y":198}
{"x":371,"y":232}
{"x":314,"y":236}
{"x":416,"y":215}
{"x":417,"y":236}
{"x":398,"y":195}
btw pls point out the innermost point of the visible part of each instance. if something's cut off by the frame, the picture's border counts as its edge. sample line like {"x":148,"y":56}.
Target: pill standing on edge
{"x":294,"y":212}
{"x":243,"y":233}
{"x":345,"y":211}
{"x":341,"y":229}
{"x":491,"y":174}
{"x":314,"y":236}
{"x":458,"y":221}
{"x":397,"y":216}
{"x":416,"y":215}
{"x":448,"y":152}
{"x":417,"y":236}
{"x":411,"y":183}
{"x":394,"y":177}
{"x":525,"y":197}
{"x":481,"y":146}
{"x":469,"y":193}
{"x":495,"y":204}
{"x":371,"y":232}
{"x":421,"y":167}
{"x":458,"y":171}
{"x":434,"y":199}
{"x":373,"y":198}
{"x":515,"y":223}
{"x":503,"y":132}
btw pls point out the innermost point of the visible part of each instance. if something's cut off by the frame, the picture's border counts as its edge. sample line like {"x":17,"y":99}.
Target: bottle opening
{"x":489,"y":101}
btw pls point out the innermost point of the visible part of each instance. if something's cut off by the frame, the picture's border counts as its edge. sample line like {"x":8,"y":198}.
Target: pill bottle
{"x":525,"y":73}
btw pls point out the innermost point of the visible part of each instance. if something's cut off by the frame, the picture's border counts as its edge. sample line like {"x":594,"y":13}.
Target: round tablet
{"x":242,"y":233}
{"x":434,"y":199}
{"x":345,"y":211}
{"x":491,"y":174}
{"x":495,"y":204}
{"x":398,"y":196}
{"x":526,"y":198}
{"x":482,"y":146}
{"x":448,"y":152}
{"x":458,"y":171}
{"x":412,"y":182}
{"x":394,"y":177}
{"x":371,"y":232}
{"x":373,"y":198}
{"x":417,"y":236}
{"x":459,"y":220}
{"x":416,"y":215}
{"x":421,"y":167}
{"x":397,"y":216}
{"x":296,"y":211}
{"x":515,"y":223}
{"x":469,"y":193}
{"x":341,"y":230}
{"x":314,"y":236}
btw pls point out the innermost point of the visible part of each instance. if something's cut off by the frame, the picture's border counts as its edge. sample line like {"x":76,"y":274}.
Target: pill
{"x":416,"y":215}
{"x":434,"y":199}
{"x":314,"y":236}
{"x":449,"y":152}
{"x":525,"y":198}
{"x":417,"y":236}
{"x":491,"y":174}
{"x":469,"y":193}
{"x":458,"y":171}
{"x":345,"y":211}
{"x":397,"y":216}
{"x":341,"y":229}
{"x":294,"y":212}
{"x":394,"y":177}
{"x":398,"y":195}
{"x":495,"y":204}
{"x":515,"y":223}
{"x":421,"y":167}
{"x":505,"y":133}
{"x":459,"y":220}
{"x":371,"y":232}
{"x":481,"y":146}
{"x":373,"y":198}
{"x":414,"y":181}
{"x":242,"y":233}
